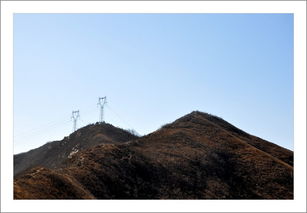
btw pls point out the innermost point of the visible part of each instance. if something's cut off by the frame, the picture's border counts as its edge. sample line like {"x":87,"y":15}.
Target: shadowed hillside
{"x":53,"y":154}
{"x":199,"y":156}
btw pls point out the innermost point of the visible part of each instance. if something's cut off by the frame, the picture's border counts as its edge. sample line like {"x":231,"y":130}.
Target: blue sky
{"x":153,"y":68}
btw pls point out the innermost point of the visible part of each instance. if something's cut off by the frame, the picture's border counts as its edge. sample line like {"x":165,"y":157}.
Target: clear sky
{"x":153,"y":68}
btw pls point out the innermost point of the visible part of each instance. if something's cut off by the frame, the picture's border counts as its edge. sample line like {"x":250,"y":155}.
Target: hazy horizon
{"x":153,"y":68}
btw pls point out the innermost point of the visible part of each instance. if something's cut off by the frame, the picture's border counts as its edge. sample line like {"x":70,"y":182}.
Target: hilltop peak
{"x":198,"y":156}
{"x":54,"y":154}
{"x":194,"y":118}
{"x":98,"y":127}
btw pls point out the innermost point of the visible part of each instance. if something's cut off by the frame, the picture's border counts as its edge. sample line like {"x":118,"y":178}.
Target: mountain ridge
{"x":53,"y":154}
{"x":229,"y":127}
{"x":190,"y":158}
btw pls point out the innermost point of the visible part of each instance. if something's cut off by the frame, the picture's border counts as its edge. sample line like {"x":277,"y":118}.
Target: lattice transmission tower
{"x":101,"y":102}
{"x":75,"y":116}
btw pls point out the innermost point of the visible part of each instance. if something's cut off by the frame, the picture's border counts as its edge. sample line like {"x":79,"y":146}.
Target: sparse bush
{"x":133,"y":132}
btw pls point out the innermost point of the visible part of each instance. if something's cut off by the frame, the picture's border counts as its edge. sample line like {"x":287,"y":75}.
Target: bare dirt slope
{"x":199,"y":156}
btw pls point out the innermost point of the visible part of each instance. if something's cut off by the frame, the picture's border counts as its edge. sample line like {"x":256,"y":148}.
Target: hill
{"x":54,"y":154}
{"x":198,"y":156}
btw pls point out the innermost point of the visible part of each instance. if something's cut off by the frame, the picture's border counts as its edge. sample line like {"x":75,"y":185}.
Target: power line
{"x":119,"y":117}
{"x":75,"y":117}
{"x":42,"y":128}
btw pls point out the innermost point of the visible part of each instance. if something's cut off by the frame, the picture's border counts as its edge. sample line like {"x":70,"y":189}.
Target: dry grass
{"x":198,"y":156}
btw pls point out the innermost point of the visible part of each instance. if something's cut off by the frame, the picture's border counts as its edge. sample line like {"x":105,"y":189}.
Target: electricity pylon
{"x":75,"y":115}
{"x":101,"y":102}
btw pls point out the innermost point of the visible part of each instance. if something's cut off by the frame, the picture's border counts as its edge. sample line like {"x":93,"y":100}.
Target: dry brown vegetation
{"x":53,"y":154}
{"x":199,"y":156}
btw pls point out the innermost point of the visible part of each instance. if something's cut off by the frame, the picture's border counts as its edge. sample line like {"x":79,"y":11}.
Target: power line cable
{"x":119,"y":117}
{"x":42,"y":129}
{"x":46,"y":125}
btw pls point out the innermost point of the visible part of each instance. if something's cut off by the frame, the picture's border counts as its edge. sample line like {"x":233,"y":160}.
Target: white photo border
{"x":298,"y":8}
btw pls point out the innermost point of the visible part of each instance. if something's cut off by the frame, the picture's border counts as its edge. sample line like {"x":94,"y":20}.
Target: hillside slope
{"x":53,"y":154}
{"x":198,"y":156}
{"x":271,"y":148}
